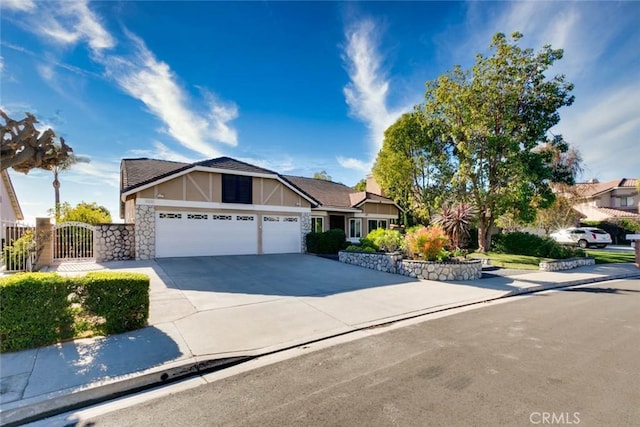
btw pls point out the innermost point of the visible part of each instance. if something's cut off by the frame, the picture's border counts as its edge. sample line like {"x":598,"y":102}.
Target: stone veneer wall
{"x":305,"y":224}
{"x":114,"y":242}
{"x":393,"y":263}
{"x":145,"y":241}
{"x":566,"y":264}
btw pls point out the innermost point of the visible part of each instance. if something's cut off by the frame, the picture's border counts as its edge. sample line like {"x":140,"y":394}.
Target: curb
{"x":65,"y":403}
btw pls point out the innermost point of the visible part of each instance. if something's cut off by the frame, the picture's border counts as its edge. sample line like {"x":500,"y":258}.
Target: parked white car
{"x":582,"y":236}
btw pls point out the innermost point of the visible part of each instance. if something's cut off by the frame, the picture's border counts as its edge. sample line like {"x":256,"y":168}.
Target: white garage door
{"x":181,"y":234}
{"x":280,"y":234}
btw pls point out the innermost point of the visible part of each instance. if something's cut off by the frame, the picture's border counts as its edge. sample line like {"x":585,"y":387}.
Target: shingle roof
{"x":138,"y":172}
{"x":328,"y":193}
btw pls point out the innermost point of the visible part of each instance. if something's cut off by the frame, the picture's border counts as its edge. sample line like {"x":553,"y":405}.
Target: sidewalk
{"x":177,"y":343}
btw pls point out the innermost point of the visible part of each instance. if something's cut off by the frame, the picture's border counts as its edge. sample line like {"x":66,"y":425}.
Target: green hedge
{"x":122,"y":299}
{"x":328,"y":242}
{"x":520,"y":243}
{"x":34,"y":311}
{"x":39,"y":309}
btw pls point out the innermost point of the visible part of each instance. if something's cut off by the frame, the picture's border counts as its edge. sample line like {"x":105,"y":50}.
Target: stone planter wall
{"x":375,"y":261}
{"x":430,"y":270}
{"x":566,"y":264}
{"x":393,"y":263}
{"x":114,"y":242}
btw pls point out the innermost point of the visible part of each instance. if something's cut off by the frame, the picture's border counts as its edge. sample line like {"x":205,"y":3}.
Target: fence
{"x":18,"y":246}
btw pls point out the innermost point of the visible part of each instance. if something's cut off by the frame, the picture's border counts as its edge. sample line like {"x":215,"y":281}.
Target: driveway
{"x":227,"y":281}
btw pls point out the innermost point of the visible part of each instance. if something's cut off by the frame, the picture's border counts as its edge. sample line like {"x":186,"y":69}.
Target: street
{"x":570,"y":357}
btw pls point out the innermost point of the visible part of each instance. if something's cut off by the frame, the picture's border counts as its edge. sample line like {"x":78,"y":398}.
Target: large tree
{"x":497,"y":118}
{"x":58,"y":168}
{"x":413,"y":165}
{"x":25,"y":148}
{"x":90,"y":213}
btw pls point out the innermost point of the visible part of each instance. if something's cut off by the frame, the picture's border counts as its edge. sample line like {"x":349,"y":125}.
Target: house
{"x":225,"y":206}
{"x":10,"y":210}
{"x":601,"y":201}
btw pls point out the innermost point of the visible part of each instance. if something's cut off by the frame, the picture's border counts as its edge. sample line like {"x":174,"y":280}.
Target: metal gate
{"x":18,"y":246}
{"x":73,"y":240}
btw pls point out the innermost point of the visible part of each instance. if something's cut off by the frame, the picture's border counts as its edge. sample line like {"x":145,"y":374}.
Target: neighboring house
{"x":224,"y":206}
{"x":601,"y":201}
{"x":10,"y":210}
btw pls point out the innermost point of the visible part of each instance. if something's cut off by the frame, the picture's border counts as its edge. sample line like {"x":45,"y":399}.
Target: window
{"x":237,"y":189}
{"x":317,"y":224}
{"x":626,"y":201}
{"x":355,"y":228}
{"x":377,"y":223}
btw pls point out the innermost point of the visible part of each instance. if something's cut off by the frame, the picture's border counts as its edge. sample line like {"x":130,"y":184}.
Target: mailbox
{"x":635,"y":238}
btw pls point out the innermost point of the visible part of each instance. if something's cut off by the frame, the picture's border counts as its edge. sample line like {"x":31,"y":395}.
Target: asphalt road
{"x":563,"y":358}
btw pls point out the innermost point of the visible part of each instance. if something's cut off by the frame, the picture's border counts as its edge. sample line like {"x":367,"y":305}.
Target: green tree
{"x":497,"y":116}
{"x":24,"y":147}
{"x":57,"y":168}
{"x":361,"y":185}
{"x":89,"y":213}
{"x":413,"y":165}
{"x":322,"y":175}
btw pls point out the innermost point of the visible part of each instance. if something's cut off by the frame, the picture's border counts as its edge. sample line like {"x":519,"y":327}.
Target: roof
{"x":142,"y":171}
{"x":617,"y":213}
{"x":590,"y":189}
{"x":6,"y":179}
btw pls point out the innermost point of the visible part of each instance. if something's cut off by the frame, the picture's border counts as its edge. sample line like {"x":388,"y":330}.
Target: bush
{"x":15,"y":256}
{"x":328,"y":242}
{"x":44,"y":308}
{"x":365,"y":242}
{"x":35,"y":310}
{"x":386,"y":240}
{"x":366,"y":249}
{"x":121,"y":299}
{"x":427,"y":243}
{"x":520,"y":243}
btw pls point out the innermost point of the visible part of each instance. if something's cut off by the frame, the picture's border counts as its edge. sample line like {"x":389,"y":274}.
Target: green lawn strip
{"x":517,"y":262}
{"x":607,"y":257}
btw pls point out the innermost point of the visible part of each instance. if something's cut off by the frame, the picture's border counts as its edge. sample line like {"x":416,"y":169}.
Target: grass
{"x":516,"y":262}
{"x":607,"y":257}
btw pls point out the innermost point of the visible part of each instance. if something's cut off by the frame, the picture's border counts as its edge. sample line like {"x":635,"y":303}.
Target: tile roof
{"x":618,"y":213}
{"x":588,"y":189}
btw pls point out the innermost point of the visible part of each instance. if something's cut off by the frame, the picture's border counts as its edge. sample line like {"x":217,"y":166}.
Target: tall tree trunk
{"x":56,"y":190}
{"x":485,"y":228}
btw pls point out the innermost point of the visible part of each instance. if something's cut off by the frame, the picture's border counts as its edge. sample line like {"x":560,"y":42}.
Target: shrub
{"x":520,"y":243}
{"x":15,"y":256}
{"x":386,"y":240}
{"x":328,"y":242}
{"x":365,"y":242}
{"x":427,"y":243}
{"x":121,"y":299}
{"x":366,"y":249}
{"x":44,"y":308}
{"x":456,"y":222}
{"x":35,"y":310}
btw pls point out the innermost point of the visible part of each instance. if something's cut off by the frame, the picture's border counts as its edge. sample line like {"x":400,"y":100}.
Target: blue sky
{"x":297,"y":87}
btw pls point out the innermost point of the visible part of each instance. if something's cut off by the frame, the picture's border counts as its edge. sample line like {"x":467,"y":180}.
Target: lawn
{"x":517,"y":262}
{"x":606,"y":257}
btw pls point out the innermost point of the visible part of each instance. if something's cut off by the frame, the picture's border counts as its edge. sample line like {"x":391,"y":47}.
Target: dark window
{"x":236,"y":189}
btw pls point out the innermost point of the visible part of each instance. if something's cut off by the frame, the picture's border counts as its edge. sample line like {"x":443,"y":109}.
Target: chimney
{"x":373,"y":186}
{"x":593,"y":181}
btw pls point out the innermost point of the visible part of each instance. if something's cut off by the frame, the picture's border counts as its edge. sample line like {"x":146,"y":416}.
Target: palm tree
{"x":71,"y":160}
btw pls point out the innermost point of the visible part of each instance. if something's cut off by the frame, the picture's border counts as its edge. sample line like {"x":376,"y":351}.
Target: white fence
{"x":18,"y":246}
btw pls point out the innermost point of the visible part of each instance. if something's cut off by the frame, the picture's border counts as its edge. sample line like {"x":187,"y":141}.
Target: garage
{"x":180,"y":234}
{"x":281,"y":234}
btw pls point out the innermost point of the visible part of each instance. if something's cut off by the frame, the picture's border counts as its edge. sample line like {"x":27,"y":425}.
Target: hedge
{"x":520,"y":243}
{"x":328,"y":242}
{"x":38,"y":309}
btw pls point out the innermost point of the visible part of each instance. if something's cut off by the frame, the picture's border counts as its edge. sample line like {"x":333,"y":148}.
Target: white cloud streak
{"x":141,"y":75}
{"x":351,"y":163}
{"x":161,"y":151}
{"x":19,"y":5}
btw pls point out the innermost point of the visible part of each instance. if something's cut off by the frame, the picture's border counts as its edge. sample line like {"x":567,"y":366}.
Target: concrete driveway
{"x":227,"y":281}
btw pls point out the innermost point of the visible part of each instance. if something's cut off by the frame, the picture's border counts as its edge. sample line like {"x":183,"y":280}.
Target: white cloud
{"x":162,"y":152}
{"x":366,"y":93}
{"x":20,"y":5}
{"x":355,"y":164}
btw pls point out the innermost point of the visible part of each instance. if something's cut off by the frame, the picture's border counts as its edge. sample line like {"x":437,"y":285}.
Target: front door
{"x":336,"y":221}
